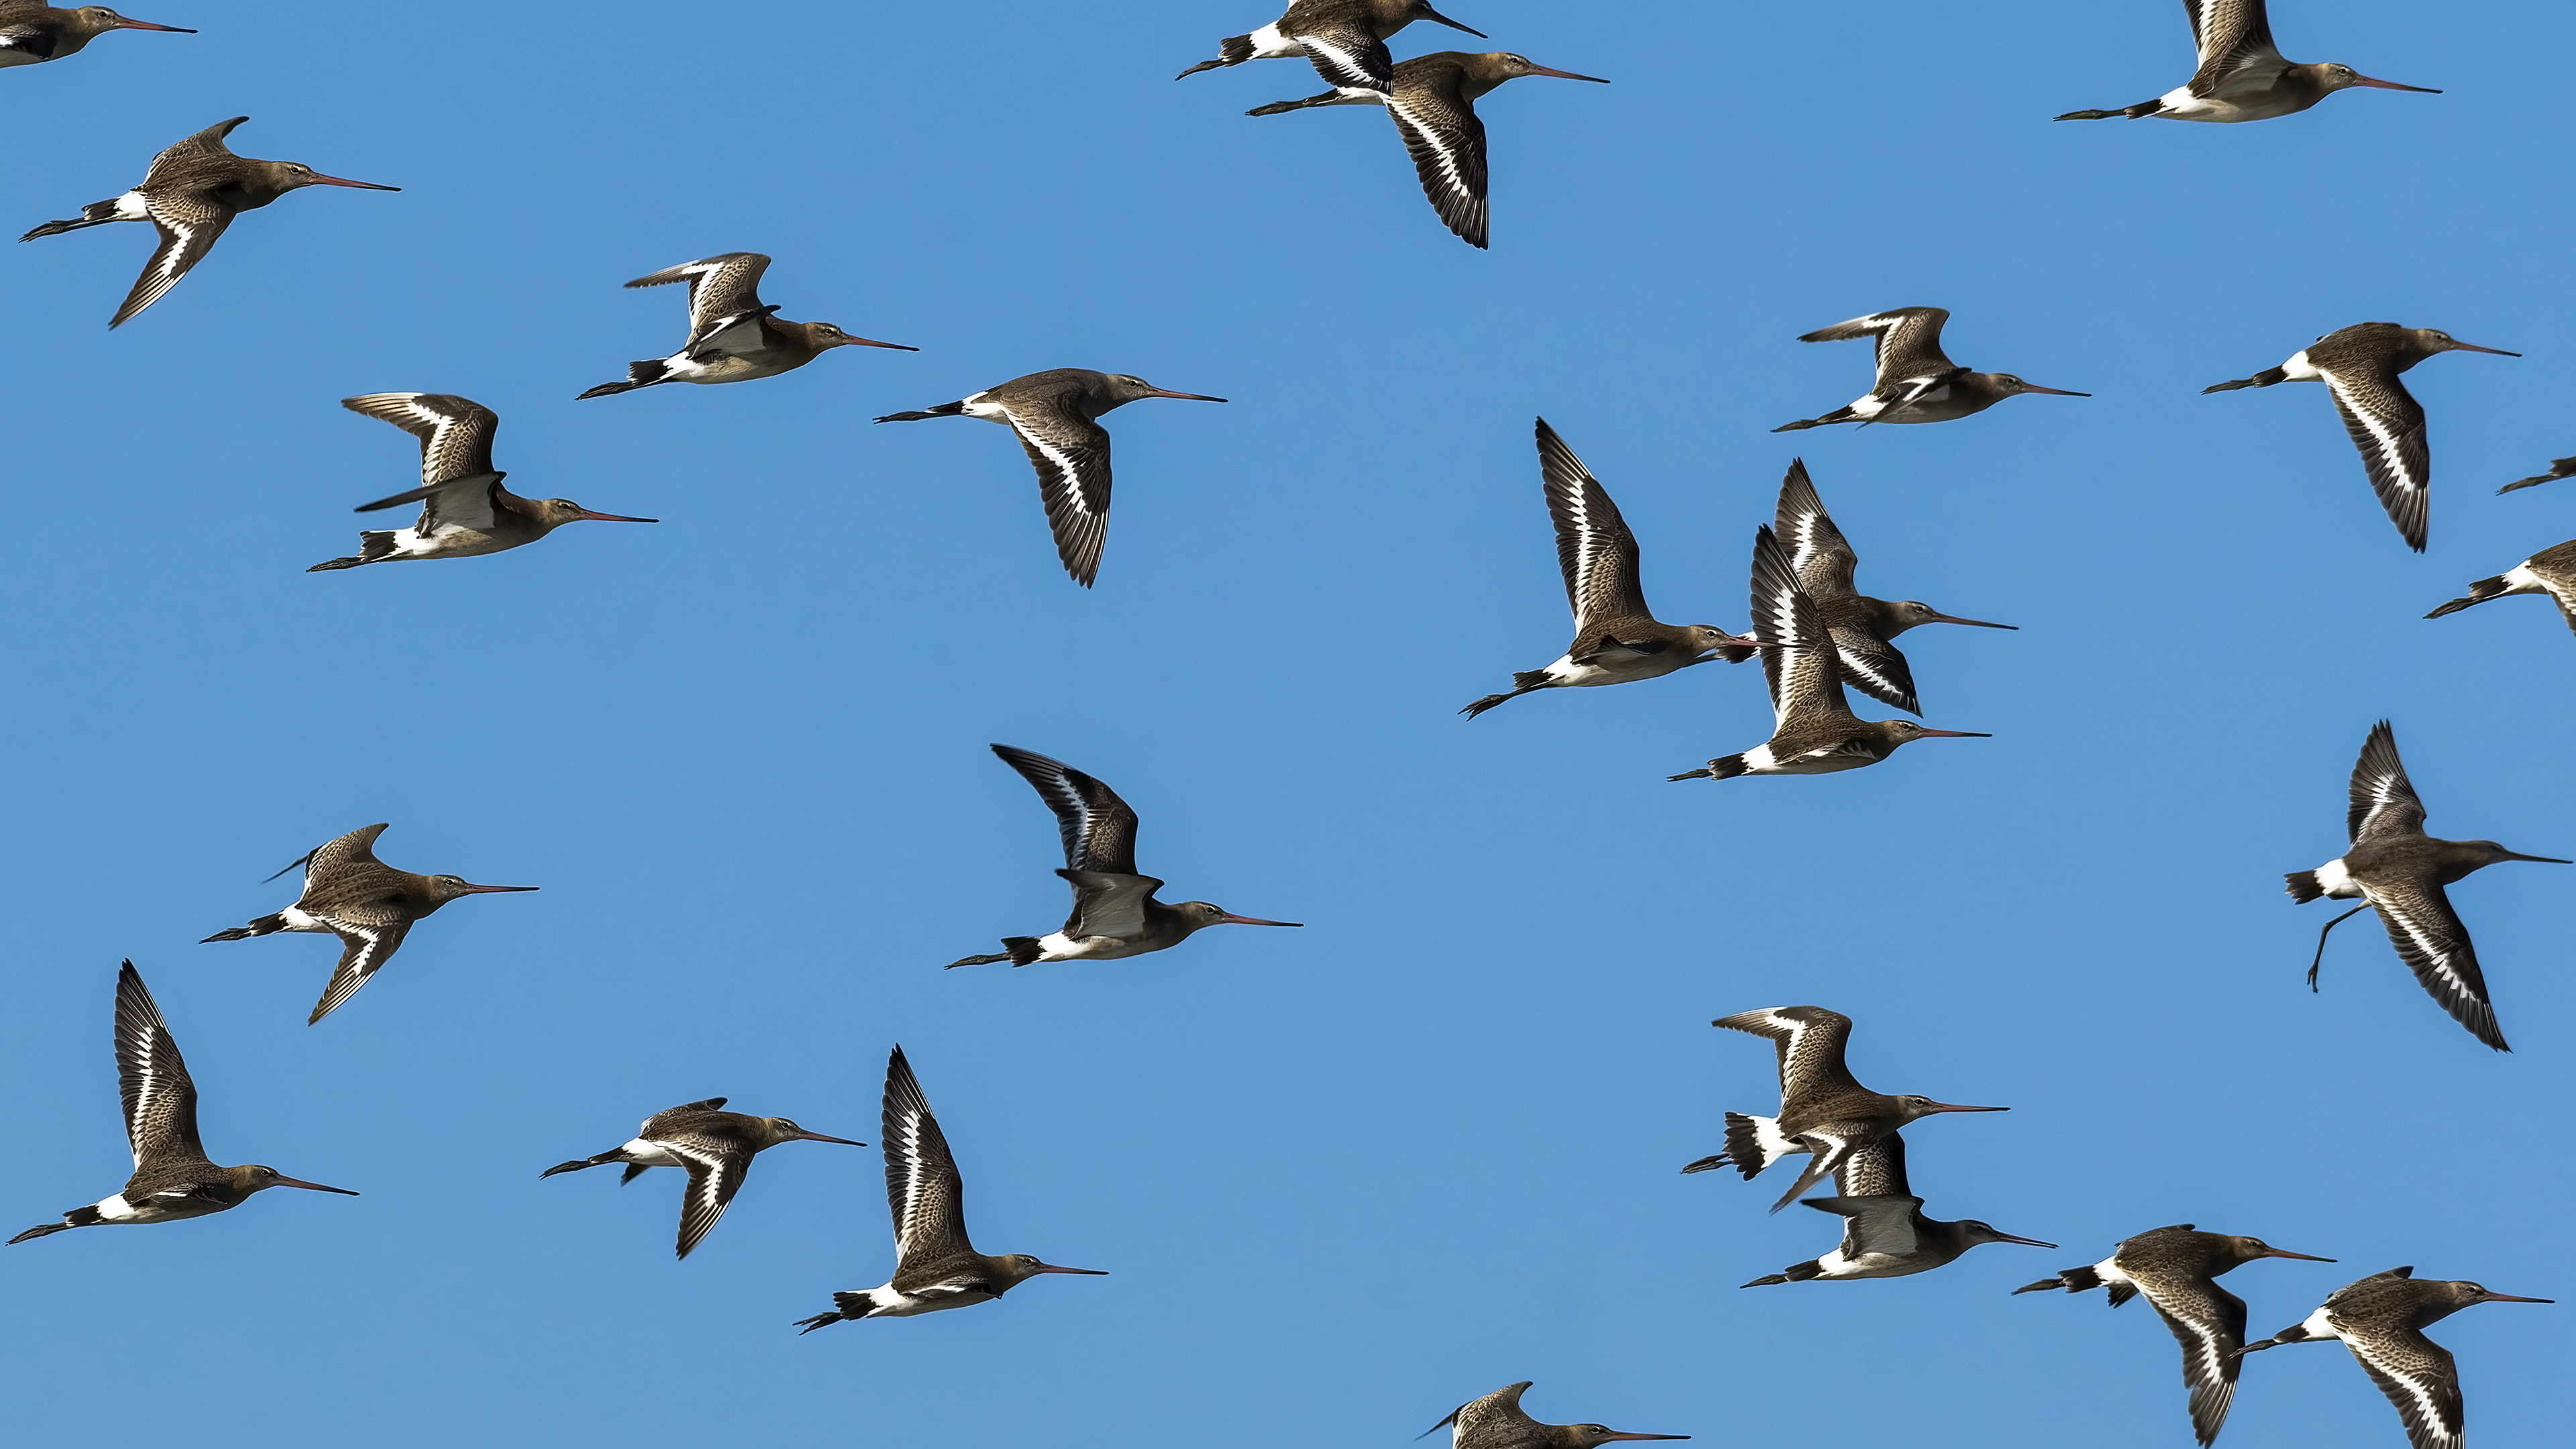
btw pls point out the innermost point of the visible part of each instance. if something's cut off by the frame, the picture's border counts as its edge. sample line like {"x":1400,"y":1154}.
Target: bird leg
{"x":2321,"y":941}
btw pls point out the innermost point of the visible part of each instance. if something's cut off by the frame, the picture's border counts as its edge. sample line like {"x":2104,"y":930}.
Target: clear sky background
{"x":1346,"y":1177}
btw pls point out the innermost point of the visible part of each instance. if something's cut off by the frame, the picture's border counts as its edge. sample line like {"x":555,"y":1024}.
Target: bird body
{"x":2551,"y":571}
{"x":1815,"y":732}
{"x":1617,"y":638}
{"x":1497,"y":1421}
{"x":2381,"y":1319}
{"x":714,"y":1146}
{"x":1056,"y":416}
{"x":1345,"y":39}
{"x":2396,"y":869}
{"x":2359,"y":365}
{"x":464,"y":509}
{"x":368,"y":904}
{"x":2242,"y":75}
{"x":1861,"y":627}
{"x":1885,"y":1234}
{"x":1115,"y":914}
{"x":1432,"y":99}
{"x":31,"y":34}
{"x":1824,"y":1111}
{"x":1916,"y":381}
{"x":191,"y":193}
{"x":2176,"y":1268}
{"x":733,"y":337}
{"x":936,"y":1265}
{"x":173,"y":1178}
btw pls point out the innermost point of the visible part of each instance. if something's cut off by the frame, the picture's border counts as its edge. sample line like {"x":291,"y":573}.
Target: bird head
{"x":2246,"y":1250}
{"x":1586,"y":1436}
{"x":2494,"y":853}
{"x":1125,"y":388}
{"x":1910,"y":1108}
{"x":1202,"y":914}
{"x":1904,"y":614}
{"x":1012,"y":1269}
{"x":556,"y":512}
{"x":2433,"y":339}
{"x":1905,"y":732}
{"x":1978,"y":1233}
{"x":92,"y":20}
{"x":820,"y":335}
{"x":286,"y":176}
{"x":445,"y":888}
{"x":780,"y":1129}
{"x":2007,"y":385}
{"x":2336,"y":76}
{"x":255,"y":1178}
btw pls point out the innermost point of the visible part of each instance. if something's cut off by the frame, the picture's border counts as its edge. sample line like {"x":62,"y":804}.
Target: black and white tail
{"x":1726,"y":768}
{"x":1233,"y":50}
{"x":373,"y":546}
{"x":1018,"y":950}
{"x":1794,"y":1273}
{"x":97,"y":213}
{"x":2073,"y":1280}
{"x":944,"y":410}
{"x":638,"y":374}
{"x":1752,"y":1144}
{"x":850,"y":1306}
{"x":264,"y":926}
{"x":2479,"y":592}
{"x":2303,"y":886}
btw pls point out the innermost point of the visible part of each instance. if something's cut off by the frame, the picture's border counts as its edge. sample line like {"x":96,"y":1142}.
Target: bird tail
{"x":46,"y":1229}
{"x":1752,"y":1144}
{"x":852,"y":1305}
{"x":1018,"y":950}
{"x":2558,"y":468}
{"x":1328,"y":98}
{"x":2303,"y":886}
{"x":1838,"y":415}
{"x":1794,"y":1273}
{"x":2479,"y":592}
{"x":1233,"y":50}
{"x":638,"y":374}
{"x":374,"y":545}
{"x":1522,"y":683}
{"x":97,"y":213}
{"x":264,"y":926}
{"x":944,"y":410}
{"x":2073,"y":1280}
{"x":2266,"y":378}
{"x":1725,"y":768}
{"x":2140,"y":111}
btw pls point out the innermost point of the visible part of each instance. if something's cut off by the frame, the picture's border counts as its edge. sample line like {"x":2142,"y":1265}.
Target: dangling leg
{"x":2321,"y":941}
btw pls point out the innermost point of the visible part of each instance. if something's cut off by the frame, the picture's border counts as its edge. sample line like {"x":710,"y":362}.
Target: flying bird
{"x":1824,"y":1111}
{"x":1346,"y":40}
{"x":2551,"y":571}
{"x":2395,"y":867}
{"x":2382,"y":1319}
{"x":1433,"y":101}
{"x":1056,"y":415}
{"x":1815,"y":731}
{"x":936,"y":1266}
{"x":1617,"y":639}
{"x":190,"y":194}
{"x":733,"y":337}
{"x":1860,"y":625}
{"x":173,"y":1178}
{"x":1916,"y":383}
{"x":2177,"y":1268}
{"x":34,"y":34}
{"x":1497,"y":1421}
{"x":464,"y":510}
{"x":2242,"y":76}
{"x":2558,"y":468}
{"x":1885,"y":1234}
{"x":1114,"y":910}
{"x":368,"y":904}
{"x":714,"y":1145}
{"x":2359,"y":365}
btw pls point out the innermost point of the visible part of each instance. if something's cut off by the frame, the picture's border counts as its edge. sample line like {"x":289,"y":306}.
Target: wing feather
{"x":1594,"y":549}
{"x":719,"y":286}
{"x":2434,"y":945}
{"x":365,"y":946}
{"x":160,"y":1100}
{"x":2383,"y":800}
{"x":1099,"y":830}
{"x":921,"y":1176}
{"x":2209,"y":1323}
{"x":1447,"y":143}
{"x":2387,"y":425}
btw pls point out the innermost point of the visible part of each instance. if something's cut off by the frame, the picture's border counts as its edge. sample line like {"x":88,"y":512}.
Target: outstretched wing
{"x":1877,"y":1170}
{"x":1071,"y":455}
{"x":1594,"y":548}
{"x":365,"y":946}
{"x":1497,"y":1418}
{"x":1810,"y":1042}
{"x":2209,"y":1323}
{"x":1099,"y":830}
{"x":2383,"y":799}
{"x":1805,"y":670}
{"x":717,"y":1164}
{"x":719,"y":286}
{"x":1908,"y":344}
{"x":2387,"y":425}
{"x":921,"y":1177}
{"x":2420,"y":1379}
{"x":160,"y":1101}
{"x":1447,"y":142}
{"x":1818,"y":553}
{"x":188,"y":225}
{"x":1875,"y":1224}
{"x":2233,"y":36}
{"x":2435,"y":946}
{"x":456,"y":473}
{"x":208,"y":142}
{"x":1345,"y":51}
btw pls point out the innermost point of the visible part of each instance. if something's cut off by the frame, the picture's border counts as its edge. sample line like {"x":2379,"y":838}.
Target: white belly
{"x":905,"y":1305}
{"x":113,"y":1208}
{"x":1057,"y":946}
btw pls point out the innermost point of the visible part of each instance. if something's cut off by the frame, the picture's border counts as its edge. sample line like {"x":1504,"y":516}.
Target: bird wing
{"x":1876,"y":668}
{"x":1071,"y":453}
{"x":1099,"y":830}
{"x":719,"y":286}
{"x":208,"y":142}
{"x":1877,"y":1170}
{"x":188,"y":224}
{"x":1908,"y":344}
{"x":1345,"y":51}
{"x":1818,"y":553}
{"x":160,"y":1100}
{"x":456,"y":473}
{"x":717,"y":1163}
{"x":1805,"y":669}
{"x":2387,"y":425}
{"x":1497,"y":1417}
{"x":2233,"y":36}
{"x":1107,"y":904}
{"x":1810,"y":1042}
{"x":1440,"y":129}
{"x":2419,"y":1377}
{"x":364,"y":946}
{"x":731,"y":334}
{"x":1594,"y":548}
{"x":2383,"y":799}
{"x":2435,"y":946}
{"x":668,"y":1121}
{"x":26,"y":37}
{"x":1875,"y":1224}
{"x":332,"y":857}
{"x":2209,"y":1323}
{"x":921,"y":1177}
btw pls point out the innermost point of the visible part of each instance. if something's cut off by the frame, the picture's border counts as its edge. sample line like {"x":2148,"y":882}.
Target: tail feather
{"x":2073,"y":1280}
{"x":1328,"y":98}
{"x":374,"y":546}
{"x":2303,"y":886}
{"x":1725,"y":768}
{"x":97,"y":213}
{"x":1794,"y":1273}
{"x":851,"y":1305}
{"x":2558,"y":468}
{"x":638,"y":374}
{"x":1018,"y":950}
{"x":264,"y":926}
{"x":1233,"y":50}
{"x":2479,"y":593}
{"x":1838,"y":415}
{"x":944,"y":410}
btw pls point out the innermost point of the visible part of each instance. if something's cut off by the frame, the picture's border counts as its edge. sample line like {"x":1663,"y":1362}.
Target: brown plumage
{"x":1916,"y":382}
{"x":733,"y":337}
{"x":31,"y":34}
{"x":173,"y":1178}
{"x":2551,"y":571}
{"x":191,"y":193}
{"x":2382,"y":1319}
{"x":1497,"y":1421}
{"x":1346,"y":39}
{"x":713,"y":1145}
{"x":368,"y":904}
{"x":2242,"y":76}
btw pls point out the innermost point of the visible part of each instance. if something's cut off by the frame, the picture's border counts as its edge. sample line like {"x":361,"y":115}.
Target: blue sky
{"x":1346,"y":1177}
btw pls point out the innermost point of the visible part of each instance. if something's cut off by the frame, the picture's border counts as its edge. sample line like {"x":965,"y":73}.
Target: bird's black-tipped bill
{"x":314,"y":1186}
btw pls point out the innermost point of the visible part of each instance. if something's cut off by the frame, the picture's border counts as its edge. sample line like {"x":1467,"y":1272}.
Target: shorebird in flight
{"x":2551,"y":571}
{"x":1056,"y":416}
{"x":464,"y":510}
{"x":1433,"y":102}
{"x":1917,"y":382}
{"x":190,"y":194}
{"x":1346,"y":40}
{"x":1824,"y":1111}
{"x":733,"y":337}
{"x":936,"y":1266}
{"x":2397,"y":869}
{"x":2177,"y":1268}
{"x":2382,"y":1319}
{"x":1114,"y":910}
{"x":1815,"y":731}
{"x":1860,"y":625}
{"x":714,"y":1145}
{"x":1885,"y":1234}
{"x":34,"y":34}
{"x":2242,"y":76}
{"x":173,"y":1178}
{"x":1497,"y":1421}
{"x":2359,"y":365}
{"x":368,"y":904}
{"x":1617,"y":639}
